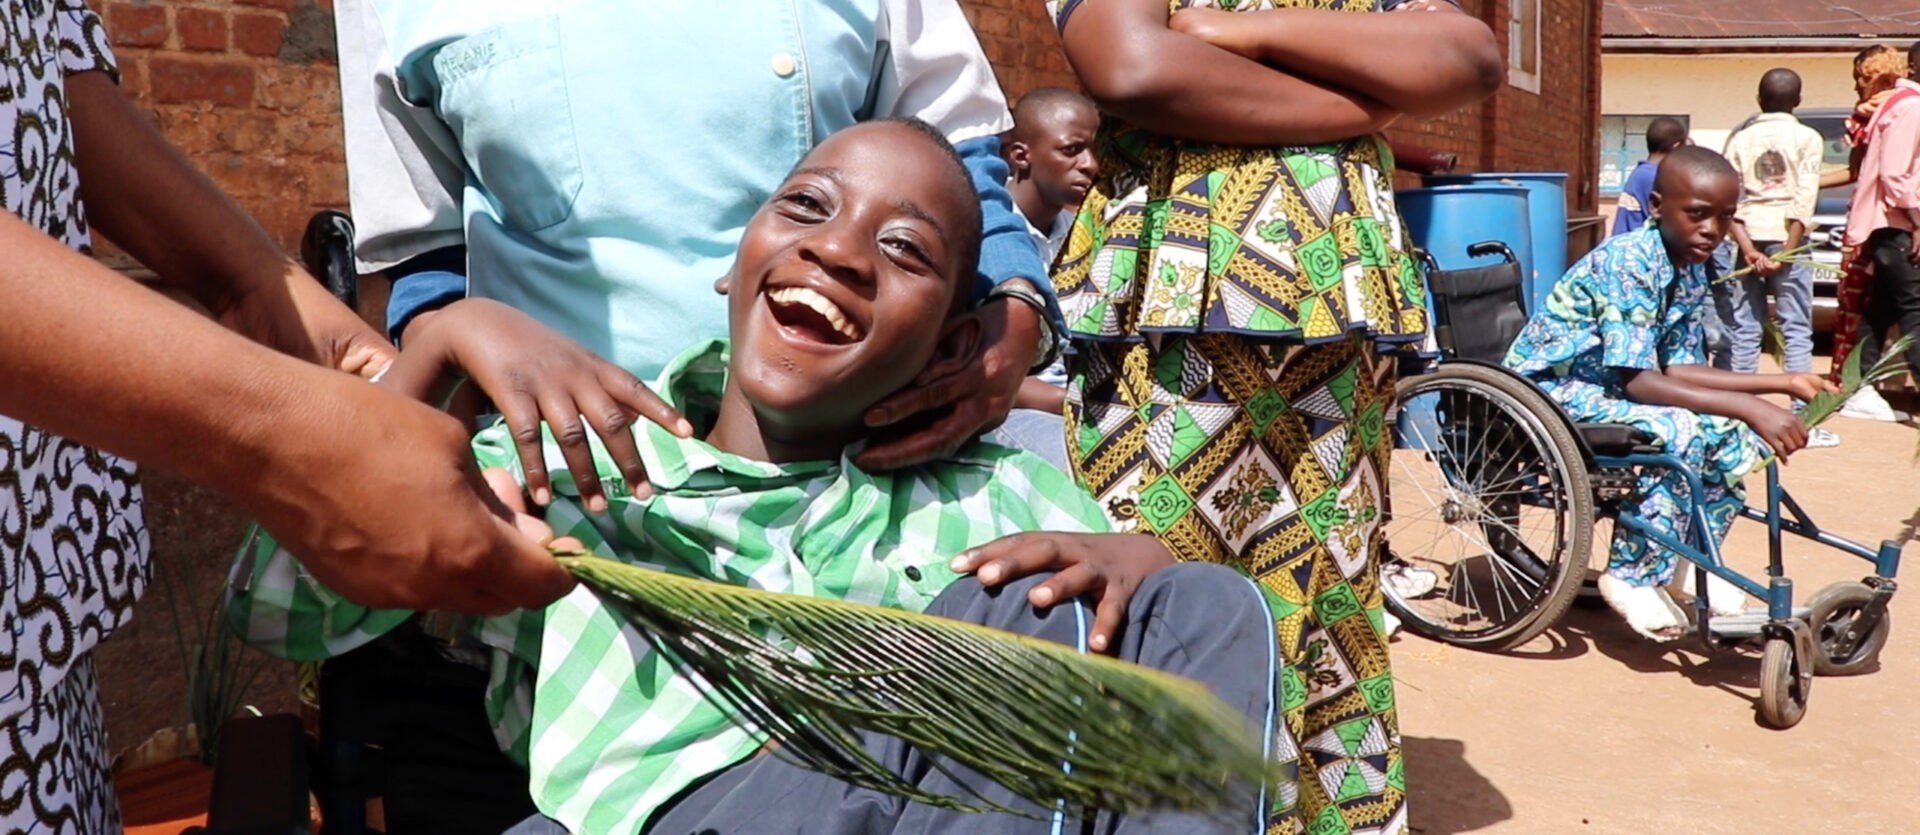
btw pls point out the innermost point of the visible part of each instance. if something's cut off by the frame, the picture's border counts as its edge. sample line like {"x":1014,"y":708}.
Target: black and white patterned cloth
{"x":73,"y":546}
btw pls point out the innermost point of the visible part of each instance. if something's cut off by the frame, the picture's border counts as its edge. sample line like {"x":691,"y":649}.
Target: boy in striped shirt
{"x":834,"y":293}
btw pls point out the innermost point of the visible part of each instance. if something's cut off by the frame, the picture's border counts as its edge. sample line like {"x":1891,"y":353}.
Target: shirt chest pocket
{"x":503,"y":92}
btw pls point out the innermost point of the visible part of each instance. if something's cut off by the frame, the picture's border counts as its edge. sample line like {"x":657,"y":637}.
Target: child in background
{"x":1620,"y":341}
{"x":1050,"y":154}
{"x":1663,"y":135}
{"x":1779,"y":163}
{"x":849,"y":284}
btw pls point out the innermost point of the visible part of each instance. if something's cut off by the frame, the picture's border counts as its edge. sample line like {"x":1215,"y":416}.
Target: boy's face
{"x":1695,"y":212}
{"x":1059,"y":153}
{"x":841,"y":291}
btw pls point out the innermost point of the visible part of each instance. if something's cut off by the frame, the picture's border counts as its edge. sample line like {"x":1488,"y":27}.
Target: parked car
{"x":1829,"y":214}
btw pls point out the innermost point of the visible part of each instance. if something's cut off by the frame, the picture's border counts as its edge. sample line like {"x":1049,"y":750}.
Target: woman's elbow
{"x":1486,"y":67}
{"x":1120,"y":86}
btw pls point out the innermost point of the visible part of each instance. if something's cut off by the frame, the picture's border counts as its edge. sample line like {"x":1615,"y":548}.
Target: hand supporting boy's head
{"x":1695,"y":195}
{"x":1050,"y":151}
{"x":851,"y":283}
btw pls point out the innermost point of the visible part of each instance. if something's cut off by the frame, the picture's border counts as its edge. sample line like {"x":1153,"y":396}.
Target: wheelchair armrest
{"x":1614,"y":439}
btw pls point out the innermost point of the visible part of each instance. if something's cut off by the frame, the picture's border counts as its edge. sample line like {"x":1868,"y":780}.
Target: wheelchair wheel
{"x":1784,"y":686}
{"x":1489,"y":492}
{"x":1834,"y":611}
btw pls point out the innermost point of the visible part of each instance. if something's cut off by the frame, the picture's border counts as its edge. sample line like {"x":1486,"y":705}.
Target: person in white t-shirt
{"x":1049,"y":154}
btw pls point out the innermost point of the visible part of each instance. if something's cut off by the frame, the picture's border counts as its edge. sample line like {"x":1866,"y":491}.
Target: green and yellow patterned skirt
{"x":1228,"y":308}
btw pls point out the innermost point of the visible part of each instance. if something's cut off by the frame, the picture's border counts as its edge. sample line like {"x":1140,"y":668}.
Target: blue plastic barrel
{"x":1444,"y":221}
{"x":1546,"y":217}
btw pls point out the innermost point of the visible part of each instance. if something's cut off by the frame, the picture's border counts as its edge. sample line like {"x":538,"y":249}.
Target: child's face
{"x":1695,"y":213}
{"x":841,"y":291}
{"x":1059,"y":153}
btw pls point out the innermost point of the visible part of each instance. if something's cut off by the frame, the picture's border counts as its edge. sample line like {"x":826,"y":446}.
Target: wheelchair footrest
{"x":1747,"y":624}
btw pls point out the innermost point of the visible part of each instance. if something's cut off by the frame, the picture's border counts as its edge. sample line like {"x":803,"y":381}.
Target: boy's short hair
{"x":1042,"y":99}
{"x":1665,"y":134}
{"x":968,"y":228}
{"x":1693,"y":161}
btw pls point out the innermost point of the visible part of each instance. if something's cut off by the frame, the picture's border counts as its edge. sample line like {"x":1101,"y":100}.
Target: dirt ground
{"x":1590,"y":729}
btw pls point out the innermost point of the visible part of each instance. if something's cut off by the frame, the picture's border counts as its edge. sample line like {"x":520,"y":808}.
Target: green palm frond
{"x":1828,"y":403}
{"x":1773,"y":341}
{"x":1058,"y":728}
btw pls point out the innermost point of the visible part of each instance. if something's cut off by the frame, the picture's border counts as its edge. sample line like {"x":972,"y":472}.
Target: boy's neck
{"x":1026,"y":195}
{"x":740,"y":429}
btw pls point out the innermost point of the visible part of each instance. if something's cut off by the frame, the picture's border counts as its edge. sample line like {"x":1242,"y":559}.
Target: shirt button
{"x":784,"y":65}
{"x":912,"y":573}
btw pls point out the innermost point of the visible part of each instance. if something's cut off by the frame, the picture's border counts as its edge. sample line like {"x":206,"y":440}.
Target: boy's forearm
{"x":1796,"y":234}
{"x":1418,"y":63}
{"x":1708,"y":377}
{"x":1656,"y":388}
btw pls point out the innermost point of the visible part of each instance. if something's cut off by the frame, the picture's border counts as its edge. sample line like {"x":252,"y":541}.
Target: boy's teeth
{"x":819,"y":304}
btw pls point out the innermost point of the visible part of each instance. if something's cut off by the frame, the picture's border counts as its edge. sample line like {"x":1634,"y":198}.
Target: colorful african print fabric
{"x":1225,"y":304}
{"x":1270,"y":458}
{"x":1625,"y":306}
{"x":1296,"y":243}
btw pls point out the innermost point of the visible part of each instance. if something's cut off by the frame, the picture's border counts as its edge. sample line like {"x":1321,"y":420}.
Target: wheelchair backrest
{"x":1478,"y":311}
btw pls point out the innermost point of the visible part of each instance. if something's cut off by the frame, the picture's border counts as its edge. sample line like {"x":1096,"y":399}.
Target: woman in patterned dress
{"x":1229,"y":287}
{"x":88,"y":353}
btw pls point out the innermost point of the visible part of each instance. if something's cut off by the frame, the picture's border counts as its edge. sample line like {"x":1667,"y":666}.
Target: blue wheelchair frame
{"x":1704,"y":554}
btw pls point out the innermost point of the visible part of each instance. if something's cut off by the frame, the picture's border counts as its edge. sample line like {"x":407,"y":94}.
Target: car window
{"x":1833,"y":135}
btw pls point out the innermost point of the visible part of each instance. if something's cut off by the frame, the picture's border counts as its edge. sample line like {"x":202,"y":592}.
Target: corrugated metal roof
{"x":1760,"y":18}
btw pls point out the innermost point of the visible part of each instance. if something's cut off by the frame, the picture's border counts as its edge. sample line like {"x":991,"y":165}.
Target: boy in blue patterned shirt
{"x":1620,"y":340}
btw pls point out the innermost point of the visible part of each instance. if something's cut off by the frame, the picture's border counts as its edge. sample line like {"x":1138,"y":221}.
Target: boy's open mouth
{"x":812,"y":316}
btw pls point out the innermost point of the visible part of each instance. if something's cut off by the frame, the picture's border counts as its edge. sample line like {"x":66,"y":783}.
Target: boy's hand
{"x":534,"y":374}
{"x":1762,"y":265}
{"x":1804,"y":387}
{"x":1107,"y":567}
{"x":1783,"y":432}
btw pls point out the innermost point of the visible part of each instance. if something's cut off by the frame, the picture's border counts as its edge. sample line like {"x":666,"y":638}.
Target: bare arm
{"x":1708,"y":377}
{"x":1678,"y":386}
{"x":379,"y":495}
{"x":151,"y":201}
{"x":1421,"y":63}
{"x":1146,"y":73}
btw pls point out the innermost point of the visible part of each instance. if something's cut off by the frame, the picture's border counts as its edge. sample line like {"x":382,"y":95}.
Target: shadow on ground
{"x":1445,"y":794}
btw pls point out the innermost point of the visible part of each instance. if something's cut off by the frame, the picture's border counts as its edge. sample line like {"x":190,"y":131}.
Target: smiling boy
{"x":1620,"y":340}
{"x":848,"y":286}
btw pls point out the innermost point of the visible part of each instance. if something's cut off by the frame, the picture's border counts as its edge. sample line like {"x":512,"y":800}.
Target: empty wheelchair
{"x":1495,"y":491}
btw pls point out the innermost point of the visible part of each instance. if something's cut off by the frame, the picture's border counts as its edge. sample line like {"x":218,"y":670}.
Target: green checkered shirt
{"x":610,"y":730}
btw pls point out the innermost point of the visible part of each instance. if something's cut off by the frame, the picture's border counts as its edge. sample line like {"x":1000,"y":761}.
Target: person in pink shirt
{"x":1884,"y":214}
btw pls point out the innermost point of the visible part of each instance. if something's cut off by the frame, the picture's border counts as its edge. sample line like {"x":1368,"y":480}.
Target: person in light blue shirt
{"x":592,"y":163}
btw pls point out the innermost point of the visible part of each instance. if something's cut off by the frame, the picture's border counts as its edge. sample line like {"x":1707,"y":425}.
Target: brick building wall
{"x":249,"y":90}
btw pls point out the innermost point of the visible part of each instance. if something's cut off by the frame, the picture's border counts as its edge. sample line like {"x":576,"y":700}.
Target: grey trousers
{"x":1206,"y":622}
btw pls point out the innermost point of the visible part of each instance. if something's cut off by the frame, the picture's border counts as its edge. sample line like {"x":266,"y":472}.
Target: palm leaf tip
{"x":1852,"y":380}
{"x":1057,"y":728}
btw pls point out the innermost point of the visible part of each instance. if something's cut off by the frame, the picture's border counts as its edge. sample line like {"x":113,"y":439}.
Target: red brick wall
{"x":1556,"y":129}
{"x":1022,"y":43}
{"x":249,"y":89}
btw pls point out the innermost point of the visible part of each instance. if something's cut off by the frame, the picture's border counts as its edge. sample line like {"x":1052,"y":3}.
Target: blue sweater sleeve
{"x":1006,"y":250}
{"x":425,"y":282}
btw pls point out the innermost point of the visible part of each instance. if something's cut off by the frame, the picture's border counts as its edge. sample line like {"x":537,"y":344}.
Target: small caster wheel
{"x":1783,"y":685}
{"x":1834,"y":617}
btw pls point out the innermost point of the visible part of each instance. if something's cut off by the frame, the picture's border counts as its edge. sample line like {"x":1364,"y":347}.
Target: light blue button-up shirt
{"x":600,"y":158}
